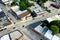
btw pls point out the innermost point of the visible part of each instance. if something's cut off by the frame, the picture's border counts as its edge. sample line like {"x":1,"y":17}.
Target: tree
{"x":55,"y":22}
{"x":32,"y":0}
{"x":29,"y":10}
{"x":45,"y":23}
{"x":14,"y":2}
{"x":54,"y":29}
{"x":30,"y":4}
{"x":23,"y":6}
{"x":47,"y":10}
{"x":41,"y":1}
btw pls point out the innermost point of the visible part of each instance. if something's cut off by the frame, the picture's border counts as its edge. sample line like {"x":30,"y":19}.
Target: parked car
{"x":1,"y":30}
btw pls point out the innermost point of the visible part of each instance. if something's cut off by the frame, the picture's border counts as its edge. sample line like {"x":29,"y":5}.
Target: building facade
{"x":57,"y":2}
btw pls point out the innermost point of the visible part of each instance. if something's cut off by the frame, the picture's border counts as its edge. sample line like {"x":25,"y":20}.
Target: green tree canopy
{"x":55,"y":22}
{"x":54,"y":29}
{"x":42,"y":1}
{"x":29,"y":10}
{"x":14,"y":2}
{"x":23,"y":6}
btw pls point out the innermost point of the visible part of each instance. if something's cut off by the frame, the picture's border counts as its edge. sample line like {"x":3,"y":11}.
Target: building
{"x":56,"y":17}
{"x":7,"y":2}
{"x":4,"y":21}
{"x":48,"y":3}
{"x":48,"y":34}
{"x":45,"y":33}
{"x":53,"y":3}
{"x":57,"y":3}
{"x":15,"y":8}
{"x":55,"y":37}
{"x":40,"y":30}
{"x":2,"y":14}
{"x":15,"y":35}
{"x":5,"y":37}
{"x":23,"y":15}
{"x":37,"y":9}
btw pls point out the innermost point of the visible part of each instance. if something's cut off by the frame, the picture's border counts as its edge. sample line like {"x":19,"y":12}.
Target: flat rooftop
{"x":12,"y":36}
{"x":36,"y":8}
{"x":15,"y":8}
{"x":56,"y":17}
{"x":5,"y":37}
{"x":15,"y":35}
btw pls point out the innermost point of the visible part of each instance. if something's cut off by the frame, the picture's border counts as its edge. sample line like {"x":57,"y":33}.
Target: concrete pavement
{"x":5,"y":9}
{"x":19,"y":24}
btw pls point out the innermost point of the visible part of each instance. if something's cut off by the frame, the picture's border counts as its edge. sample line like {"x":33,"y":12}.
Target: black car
{"x":33,"y":14}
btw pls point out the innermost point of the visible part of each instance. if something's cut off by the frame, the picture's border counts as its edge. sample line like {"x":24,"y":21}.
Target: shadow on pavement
{"x":33,"y":25}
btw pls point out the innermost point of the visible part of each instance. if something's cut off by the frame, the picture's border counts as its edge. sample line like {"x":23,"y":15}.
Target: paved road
{"x":19,"y":24}
{"x":5,"y":9}
{"x":30,"y":32}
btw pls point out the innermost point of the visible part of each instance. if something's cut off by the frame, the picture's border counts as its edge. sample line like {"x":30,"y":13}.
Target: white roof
{"x":57,"y":17}
{"x":7,"y":1}
{"x":41,"y":29}
{"x":0,"y":9}
{"x":6,"y":37}
{"x":38,"y":29}
{"x":55,"y":38}
{"x":15,"y":8}
{"x":15,"y":35}
{"x":49,"y":19}
{"x":20,"y":12}
{"x":48,"y":34}
{"x":4,"y":0}
{"x":36,"y":8}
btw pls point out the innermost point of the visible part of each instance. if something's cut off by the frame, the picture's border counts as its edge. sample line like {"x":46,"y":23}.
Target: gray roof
{"x":2,"y":14}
